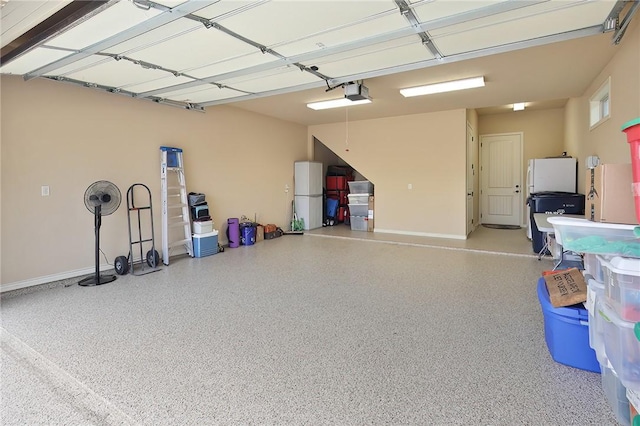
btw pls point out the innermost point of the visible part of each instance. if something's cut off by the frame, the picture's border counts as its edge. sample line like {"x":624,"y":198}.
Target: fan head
{"x":102,"y":193}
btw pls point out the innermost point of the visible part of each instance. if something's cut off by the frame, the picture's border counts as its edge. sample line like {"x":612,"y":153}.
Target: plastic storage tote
{"x":622,"y":346}
{"x":566,"y":331}
{"x":358,"y":223}
{"x":247,"y":233}
{"x":331,"y":208}
{"x":596,"y":333}
{"x":595,"y":296}
{"x":336,"y":183}
{"x":593,"y":266}
{"x":634,"y":403}
{"x":584,"y":236}
{"x":358,"y":198}
{"x":623,"y":287}
{"x":361,"y":187}
{"x":616,"y":394}
{"x":359,"y":209}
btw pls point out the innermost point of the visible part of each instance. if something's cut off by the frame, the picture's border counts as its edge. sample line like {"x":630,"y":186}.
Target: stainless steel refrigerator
{"x":308,"y":193}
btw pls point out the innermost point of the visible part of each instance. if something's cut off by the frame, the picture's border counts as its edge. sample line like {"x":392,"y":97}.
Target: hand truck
{"x":150,"y":262}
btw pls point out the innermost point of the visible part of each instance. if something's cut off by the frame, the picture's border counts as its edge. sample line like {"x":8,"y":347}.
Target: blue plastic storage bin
{"x":247,"y":234}
{"x":566,"y":331}
{"x":205,"y":244}
{"x":332,"y":208}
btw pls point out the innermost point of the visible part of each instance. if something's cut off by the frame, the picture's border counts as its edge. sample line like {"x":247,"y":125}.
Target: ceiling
{"x":275,"y":56}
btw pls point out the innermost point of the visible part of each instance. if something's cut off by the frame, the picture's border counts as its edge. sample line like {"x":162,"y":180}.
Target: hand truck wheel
{"x":121,"y":265}
{"x":153,"y":258}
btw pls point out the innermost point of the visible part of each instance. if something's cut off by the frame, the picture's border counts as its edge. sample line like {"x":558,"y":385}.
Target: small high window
{"x":600,"y":104}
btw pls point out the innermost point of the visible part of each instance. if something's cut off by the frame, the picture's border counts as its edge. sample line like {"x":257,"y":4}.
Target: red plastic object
{"x":339,"y":195}
{"x":632,"y":129}
{"x":336,"y":182}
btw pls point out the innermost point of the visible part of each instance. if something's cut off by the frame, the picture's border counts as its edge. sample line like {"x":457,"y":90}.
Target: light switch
{"x":410,"y":186}
{"x":45,"y":190}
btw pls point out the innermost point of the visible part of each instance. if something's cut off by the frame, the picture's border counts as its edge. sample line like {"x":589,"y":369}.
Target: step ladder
{"x":175,"y":207}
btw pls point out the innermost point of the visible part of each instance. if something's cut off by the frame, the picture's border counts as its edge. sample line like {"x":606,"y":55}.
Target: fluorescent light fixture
{"x":447,"y":86}
{"x":336,"y":103}
{"x":519,"y":106}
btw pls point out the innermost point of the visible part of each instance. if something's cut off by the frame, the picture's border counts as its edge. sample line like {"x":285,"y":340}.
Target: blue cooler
{"x":205,"y":244}
{"x":566,"y":331}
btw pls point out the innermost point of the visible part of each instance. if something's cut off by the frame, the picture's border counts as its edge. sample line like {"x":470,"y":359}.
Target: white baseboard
{"x":51,"y":278}
{"x":420,"y":234}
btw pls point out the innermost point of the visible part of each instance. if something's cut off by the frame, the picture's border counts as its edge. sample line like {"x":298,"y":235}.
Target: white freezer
{"x":309,"y":208}
{"x":552,"y":174}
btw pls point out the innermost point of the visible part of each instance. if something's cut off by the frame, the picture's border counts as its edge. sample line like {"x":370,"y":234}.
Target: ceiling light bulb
{"x":519,"y":106}
{"x":447,"y":86}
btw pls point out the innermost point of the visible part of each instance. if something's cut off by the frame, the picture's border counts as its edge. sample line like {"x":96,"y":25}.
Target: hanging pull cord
{"x":346,"y":141}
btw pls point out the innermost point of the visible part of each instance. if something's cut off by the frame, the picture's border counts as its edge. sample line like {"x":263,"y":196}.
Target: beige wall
{"x":68,"y":137}
{"x":543,"y":134}
{"x":425,"y":150}
{"x":606,"y":140}
{"x":543,"y":130}
{"x":327,"y":157}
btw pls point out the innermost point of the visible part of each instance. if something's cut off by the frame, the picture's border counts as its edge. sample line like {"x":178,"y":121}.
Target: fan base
{"x":91,"y":281}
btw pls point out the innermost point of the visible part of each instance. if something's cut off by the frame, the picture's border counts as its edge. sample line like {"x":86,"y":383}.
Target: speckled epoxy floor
{"x":297,"y":330}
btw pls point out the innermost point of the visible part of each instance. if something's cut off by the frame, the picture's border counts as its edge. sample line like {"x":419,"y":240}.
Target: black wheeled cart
{"x":148,"y":263}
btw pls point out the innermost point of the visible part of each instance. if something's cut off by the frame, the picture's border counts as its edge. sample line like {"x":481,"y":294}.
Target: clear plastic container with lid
{"x":622,"y":346}
{"x":593,"y":265}
{"x":595,"y":296}
{"x":585,"y":236}
{"x":623,"y":286}
{"x":616,"y":394}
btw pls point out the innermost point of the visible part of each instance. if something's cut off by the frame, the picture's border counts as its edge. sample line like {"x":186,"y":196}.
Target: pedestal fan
{"x":101,"y":198}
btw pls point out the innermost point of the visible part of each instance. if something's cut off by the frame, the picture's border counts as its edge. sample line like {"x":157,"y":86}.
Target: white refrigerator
{"x":550,"y":175}
{"x":308,"y":193}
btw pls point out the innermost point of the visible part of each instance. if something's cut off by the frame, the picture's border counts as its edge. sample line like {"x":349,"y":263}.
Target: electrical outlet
{"x":45,"y":190}
{"x":286,"y":187}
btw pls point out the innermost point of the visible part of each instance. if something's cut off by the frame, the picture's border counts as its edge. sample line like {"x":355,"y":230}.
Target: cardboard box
{"x":259,"y":233}
{"x":370,"y":215}
{"x":610,"y":199}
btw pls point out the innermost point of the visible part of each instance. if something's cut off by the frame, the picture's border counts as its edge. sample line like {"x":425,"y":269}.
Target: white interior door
{"x":501,"y":177}
{"x":471,"y":173}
